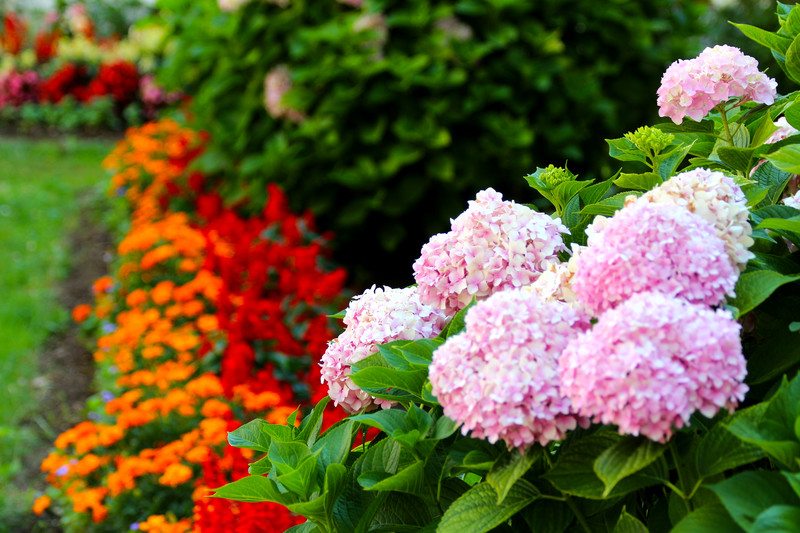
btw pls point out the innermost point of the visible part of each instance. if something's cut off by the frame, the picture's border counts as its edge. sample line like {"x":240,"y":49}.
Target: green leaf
{"x":626,"y":457}
{"x":407,"y":427}
{"x":334,"y":445}
{"x":260,"y":467}
{"x":747,"y":494}
{"x":508,"y":470}
{"x":774,"y":180}
{"x":286,"y":456}
{"x":771,"y":40}
{"x":310,"y":426}
{"x":258,"y":434}
{"x":477,"y":509}
{"x":719,"y":450}
{"x":594,"y":193}
{"x":376,"y":379}
{"x":643,"y":182}
{"x":252,"y":489}
{"x":608,"y":206}
{"x":409,"y":479}
{"x":711,"y":518}
{"x":669,"y":162}
{"x":778,"y":519}
{"x":786,"y":224}
{"x":737,"y":158}
{"x":574,"y":474}
{"x":792,"y":64}
{"x":628,"y":523}
{"x":457,"y":324}
{"x":305,"y":527}
{"x":786,"y":158}
{"x":755,"y":287}
{"x":624,"y":150}
{"x":301,"y":480}
{"x":444,"y":427}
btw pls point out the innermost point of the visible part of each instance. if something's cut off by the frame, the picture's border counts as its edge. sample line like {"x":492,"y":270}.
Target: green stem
{"x":578,"y":514}
{"x":673,"y":450}
{"x":725,"y":125}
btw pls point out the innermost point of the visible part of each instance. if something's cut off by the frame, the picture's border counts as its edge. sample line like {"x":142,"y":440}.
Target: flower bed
{"x":208,"y":321}
{"x":66,"y":77}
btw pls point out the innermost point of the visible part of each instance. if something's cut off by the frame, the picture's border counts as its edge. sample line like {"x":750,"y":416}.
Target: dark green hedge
{"x":399,"y":135}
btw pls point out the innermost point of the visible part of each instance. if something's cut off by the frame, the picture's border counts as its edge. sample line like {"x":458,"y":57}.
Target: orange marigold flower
{"x":198,"y":454}
{"x":41,"y":504}
{"x":81,"y":312}
{"x":205,"y":386}
{"x":207,"y":323}
{"x":262,"y":401}
{"x":215,"y":408}
{"x":176,"y":475}
{"x":102,"y":285}
{"x":136,"y":298}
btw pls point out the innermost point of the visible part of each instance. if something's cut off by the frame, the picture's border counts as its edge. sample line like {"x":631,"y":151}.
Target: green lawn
{"x":40,"y":183}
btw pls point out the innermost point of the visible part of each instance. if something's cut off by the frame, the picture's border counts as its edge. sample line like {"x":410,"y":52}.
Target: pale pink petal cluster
{"x":694,"y":87}
{"x":277,"y":83}
{"x":492,"y":246}
{"x":793,"y":201}
{"x":784,"y":131}
{"x":555,"y":283}
{"x":499,"y":378}
{"x":652,"y":362}
{"x":716,"y":198}
{"x":377,"y":316}
{"x":652,"y":247}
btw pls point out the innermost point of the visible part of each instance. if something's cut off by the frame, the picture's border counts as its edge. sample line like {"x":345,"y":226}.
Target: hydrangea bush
{"x":626,"y":362}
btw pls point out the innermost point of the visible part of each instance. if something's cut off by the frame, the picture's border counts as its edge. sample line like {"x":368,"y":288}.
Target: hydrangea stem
{"x":681,"y":492}
{"x":725,"y":124}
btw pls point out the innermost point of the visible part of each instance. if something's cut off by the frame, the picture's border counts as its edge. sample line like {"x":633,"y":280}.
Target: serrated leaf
{"x":574,"y":474}
{"x":310,"y":426}
{"x":669,"y":162}
{"x":477,"y":509}
{"x":736,"y":158}
{"x":334,"y":445}
{"x":624,"y":150}
{"x":374,"y":379}
{"x":258,"y":434}
{"x":624,"y":458}
{"x":444,"y":427}
{"x":508,"y":470}
{"x":610,"y":205}
{"x":719,"y":450}
{"x":792,"y":62}
{"x":457,"y":323}
{"x":778,"y":519}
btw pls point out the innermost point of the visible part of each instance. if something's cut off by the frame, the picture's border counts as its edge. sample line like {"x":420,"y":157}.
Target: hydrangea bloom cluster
{"x":499,"y":378}
{"x":277,"y":83}
{"x":649,"y":139}
{"x":377,"y":316}
{"x":652,"y":247}
{"x":649,"y":364}
{"x":716,"y":198}
{"x":492,"y":246}
{"x":555,"y":283}
{"x":694,"y":87}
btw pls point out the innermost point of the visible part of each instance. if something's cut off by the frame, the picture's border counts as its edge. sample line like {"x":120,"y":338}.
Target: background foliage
{"x":402,"y":127}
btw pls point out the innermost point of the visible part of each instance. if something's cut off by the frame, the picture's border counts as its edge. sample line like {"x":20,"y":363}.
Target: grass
{"x":40,"y":184}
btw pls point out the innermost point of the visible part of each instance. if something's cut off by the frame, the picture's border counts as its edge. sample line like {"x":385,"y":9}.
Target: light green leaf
{"x":252,"y":489}
{"x":719,"y":450}
{"x":766,"y":38}
{"x":624,"y":458}
{"x":310,"y":426}
{"x":792,"y":64}
{"x":258,"y":434}
{"x":786,"y":158}
{"x":608,"y":206}
{"x":477,"y":510}
{"x":334,"y":445}
{"x":778,"y":519}
{"x":509,"y":469}
{"x":643,"y":182}
{"x":456,"y":325}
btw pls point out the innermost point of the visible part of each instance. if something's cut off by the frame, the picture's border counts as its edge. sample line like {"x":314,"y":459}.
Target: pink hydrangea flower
{"x":492,"y":246}
{"x":277,"y":83}
{"x":793,"y":201}
{"x":784,"y":131}
{"x":717,"y":199}
{"x":231,"y":5}
{"x":377,"y":316}
{"x":694,"y":87}
{"x":652,"y":362}
{"x":499,"y":378}
{"x":652,"y":247}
